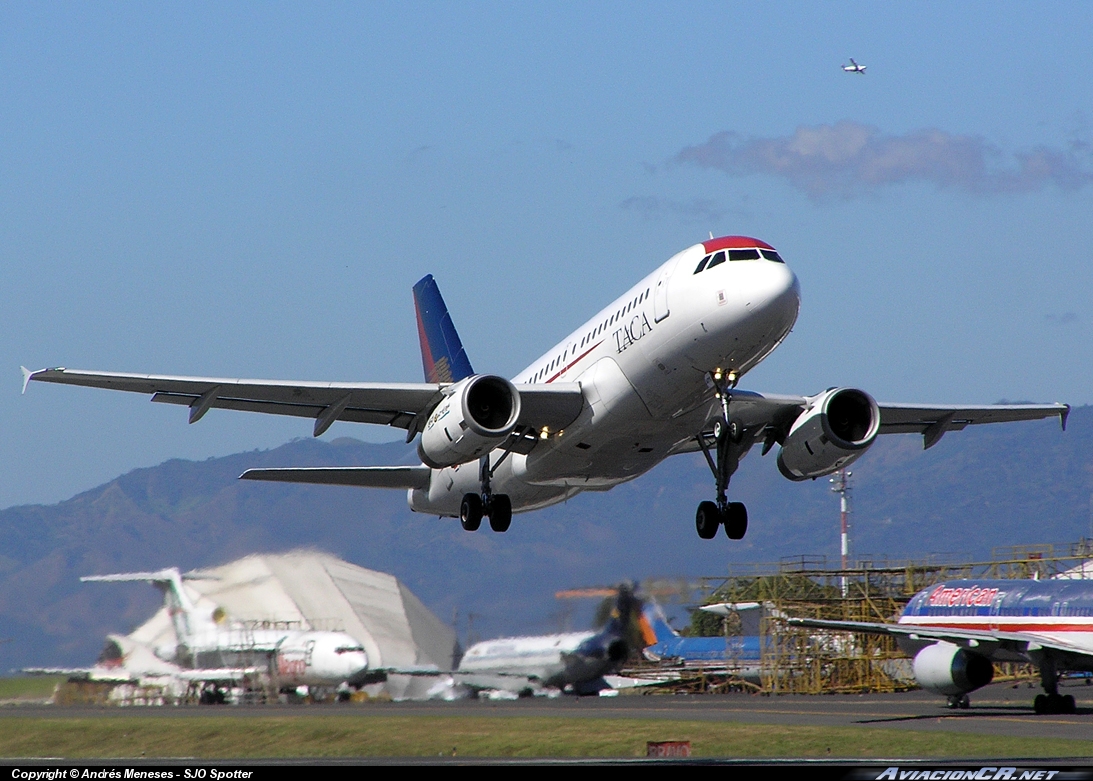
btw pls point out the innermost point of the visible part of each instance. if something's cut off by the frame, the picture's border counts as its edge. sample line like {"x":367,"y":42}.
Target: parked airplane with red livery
{"x":653,"y":374}
{"x":956,"y":630}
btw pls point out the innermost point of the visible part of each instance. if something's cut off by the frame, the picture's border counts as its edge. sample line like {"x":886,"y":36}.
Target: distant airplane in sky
{"x":956,"y":630}
{"x":572,"y":663}
{"x":651,"y":375}
{"x":853,"y":67}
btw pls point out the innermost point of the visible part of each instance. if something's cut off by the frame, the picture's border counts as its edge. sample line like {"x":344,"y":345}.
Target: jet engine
{"x":948,"y":669}
{"x":476,"y":415}
{"x":836,"y":429}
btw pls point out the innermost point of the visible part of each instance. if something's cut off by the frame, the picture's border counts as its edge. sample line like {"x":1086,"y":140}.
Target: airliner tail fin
{"x":442,"y":353}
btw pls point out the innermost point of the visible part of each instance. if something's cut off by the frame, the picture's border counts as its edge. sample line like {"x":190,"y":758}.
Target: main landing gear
{"x":731,"y":441}
{"x":497,"y":507}
{"x":1051,"y":701}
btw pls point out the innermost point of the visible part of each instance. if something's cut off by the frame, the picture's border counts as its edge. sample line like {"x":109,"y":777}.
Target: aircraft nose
{"x":777,"y":291}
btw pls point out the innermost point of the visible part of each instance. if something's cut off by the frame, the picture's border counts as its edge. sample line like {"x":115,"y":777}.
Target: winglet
{"x":442,"y":353}
{"x":27,"y":374}
{"x":1063,"y":415}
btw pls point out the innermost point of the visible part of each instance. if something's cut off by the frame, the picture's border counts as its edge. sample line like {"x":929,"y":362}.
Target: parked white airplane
{"x":651,"y":375}
{"x":571,"y":663}
{"x":853,"y":67}
{"x":210,"y":644}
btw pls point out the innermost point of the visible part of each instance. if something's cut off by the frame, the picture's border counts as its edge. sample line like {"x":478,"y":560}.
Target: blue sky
{"x":252,"y":189}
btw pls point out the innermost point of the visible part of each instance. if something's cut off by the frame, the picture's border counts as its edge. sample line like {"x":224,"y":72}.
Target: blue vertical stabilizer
{"x":442,"y":353}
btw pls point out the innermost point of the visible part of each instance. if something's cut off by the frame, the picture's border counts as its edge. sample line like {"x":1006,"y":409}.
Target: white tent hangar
{"x":307,"y":589}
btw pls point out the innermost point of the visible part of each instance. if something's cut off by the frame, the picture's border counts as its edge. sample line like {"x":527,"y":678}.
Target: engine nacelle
{"x":476,"y":415}
{"x":836,"y":429}
{"x":948,"y":669}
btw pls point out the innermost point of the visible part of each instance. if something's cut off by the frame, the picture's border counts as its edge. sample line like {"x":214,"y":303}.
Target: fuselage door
{"x":660,"y":294}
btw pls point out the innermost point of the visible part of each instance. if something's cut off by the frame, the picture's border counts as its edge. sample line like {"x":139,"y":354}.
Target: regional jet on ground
{"x":572,"y":663}
{"x":956,"y":630}
{"x":651,"y":375}
{"x":853,"y":67}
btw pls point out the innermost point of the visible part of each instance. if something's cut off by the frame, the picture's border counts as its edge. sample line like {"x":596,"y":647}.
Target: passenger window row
{"x":717,"y":258}
{"x":539,"y":375}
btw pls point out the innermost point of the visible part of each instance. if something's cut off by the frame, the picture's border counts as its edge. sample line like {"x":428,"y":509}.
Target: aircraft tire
{"x":1054,"y":703}
{"x":707,"y":519}
{"x":500,"y":512}
{"x":736,"y":520}
{"x":470,"y":512}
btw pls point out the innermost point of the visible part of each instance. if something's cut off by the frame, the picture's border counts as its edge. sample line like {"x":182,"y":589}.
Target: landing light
{"x":544,"y":433}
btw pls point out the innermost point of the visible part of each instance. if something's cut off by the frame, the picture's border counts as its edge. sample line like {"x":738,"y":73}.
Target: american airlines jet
{"x":651,"y":375}
{"x":956,"y":630}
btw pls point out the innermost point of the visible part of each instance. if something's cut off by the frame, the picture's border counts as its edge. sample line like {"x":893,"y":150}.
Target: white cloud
{"x":850,"y":158}
{"x":695,"y":210}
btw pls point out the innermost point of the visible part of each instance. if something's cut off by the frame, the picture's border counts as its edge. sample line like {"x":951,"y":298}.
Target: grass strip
{"x":220,"y":737}
{"x":31,"y":687}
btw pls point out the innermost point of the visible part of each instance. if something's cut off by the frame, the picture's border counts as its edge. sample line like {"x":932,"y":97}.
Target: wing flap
{"x":360,"y":476}
{"x":382,"y":417}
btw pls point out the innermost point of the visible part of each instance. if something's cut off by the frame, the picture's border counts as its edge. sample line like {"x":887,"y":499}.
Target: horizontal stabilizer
{"x":360,"y":476}
{"x":160,"y":576}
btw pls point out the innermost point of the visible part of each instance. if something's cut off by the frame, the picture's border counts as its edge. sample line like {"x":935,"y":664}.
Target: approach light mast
{"x":840,"y":484}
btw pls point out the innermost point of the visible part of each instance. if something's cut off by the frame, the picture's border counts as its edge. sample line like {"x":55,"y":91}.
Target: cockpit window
{"x":348,"y":649}
{"x":743,"y":254}
{"x":718,"y":258}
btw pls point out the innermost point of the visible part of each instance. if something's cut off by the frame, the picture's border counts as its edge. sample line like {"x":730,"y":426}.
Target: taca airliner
{"x":956,"y":630}
{"x":653,"y":374}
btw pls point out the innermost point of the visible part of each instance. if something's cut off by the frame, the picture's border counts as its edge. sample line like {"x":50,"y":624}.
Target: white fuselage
{"x":294,"y":657}
{"x":551,"y":660}
{"x":642,"y":364}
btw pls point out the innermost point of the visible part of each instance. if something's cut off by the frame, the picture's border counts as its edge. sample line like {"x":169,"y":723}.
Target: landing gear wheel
{"x":1054,"y":703}
{"x":500,"y":512}
{"x":736,"y":520}
{"x":707,"y":519}
{"x":470,"y":512}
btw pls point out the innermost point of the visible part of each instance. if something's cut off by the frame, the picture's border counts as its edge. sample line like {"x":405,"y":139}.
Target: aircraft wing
{"x":402,"y":405}
{"x":933,"y":422}
{"x":360,"y":476}
{"x":777,"y":412}
{"x":1024,"y":641}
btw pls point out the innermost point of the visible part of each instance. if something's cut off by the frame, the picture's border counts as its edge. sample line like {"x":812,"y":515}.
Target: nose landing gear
{"x":731,"y":441}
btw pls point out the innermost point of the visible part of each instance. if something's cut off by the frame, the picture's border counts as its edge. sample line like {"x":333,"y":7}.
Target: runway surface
{"x":1000,"y":709}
